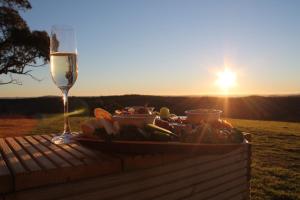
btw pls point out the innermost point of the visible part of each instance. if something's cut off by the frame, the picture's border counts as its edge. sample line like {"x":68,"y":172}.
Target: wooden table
{"x":31,"y":167}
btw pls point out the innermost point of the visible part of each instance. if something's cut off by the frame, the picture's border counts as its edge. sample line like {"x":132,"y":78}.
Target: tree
{"x":19,"y":46}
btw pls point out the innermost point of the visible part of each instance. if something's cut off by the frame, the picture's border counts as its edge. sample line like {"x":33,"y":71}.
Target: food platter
{"x":139,"y":130}
{"x":153,"y":147}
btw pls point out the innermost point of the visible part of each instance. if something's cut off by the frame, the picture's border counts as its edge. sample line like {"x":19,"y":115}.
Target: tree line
{"x":285,"y":108}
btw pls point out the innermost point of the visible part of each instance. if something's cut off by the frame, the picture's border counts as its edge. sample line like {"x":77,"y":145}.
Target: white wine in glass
{"x":64,"y":70}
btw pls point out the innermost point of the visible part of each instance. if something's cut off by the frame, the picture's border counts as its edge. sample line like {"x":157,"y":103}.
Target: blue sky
{"x":173,"y":47}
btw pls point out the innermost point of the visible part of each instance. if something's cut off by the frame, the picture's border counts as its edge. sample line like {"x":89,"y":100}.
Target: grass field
{"x":275,"y":152}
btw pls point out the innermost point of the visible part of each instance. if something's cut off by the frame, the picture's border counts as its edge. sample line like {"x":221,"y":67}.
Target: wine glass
{"x":64,"y":70}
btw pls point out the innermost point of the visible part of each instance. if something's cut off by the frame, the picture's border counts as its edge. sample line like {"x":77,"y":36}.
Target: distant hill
{"x":278,"y":108}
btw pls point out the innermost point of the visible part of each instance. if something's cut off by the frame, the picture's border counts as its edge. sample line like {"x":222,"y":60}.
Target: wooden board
{"x":150,"y":147}
{"x":35,"y":161}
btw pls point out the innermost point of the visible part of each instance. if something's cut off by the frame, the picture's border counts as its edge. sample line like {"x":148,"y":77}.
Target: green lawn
{"x":275,"y":154}
{"x":275,"y":159}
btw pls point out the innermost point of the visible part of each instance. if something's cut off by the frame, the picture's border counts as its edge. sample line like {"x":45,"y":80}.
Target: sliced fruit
{"x":89,"y":126}
{"x":108,"y":126}
{"x":227,"y":124}
{"x":101,"y":113}
{"x":118,"y":112}
{"x":222,"y":124}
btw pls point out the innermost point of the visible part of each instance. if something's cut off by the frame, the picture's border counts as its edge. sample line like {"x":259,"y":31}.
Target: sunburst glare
{"x":226,"y":79}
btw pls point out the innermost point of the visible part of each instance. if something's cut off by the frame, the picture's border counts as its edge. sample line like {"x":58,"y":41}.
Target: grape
{"x":164,"y":112}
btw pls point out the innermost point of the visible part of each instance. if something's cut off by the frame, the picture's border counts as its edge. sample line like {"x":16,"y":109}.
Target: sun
{"x":226,"y":79}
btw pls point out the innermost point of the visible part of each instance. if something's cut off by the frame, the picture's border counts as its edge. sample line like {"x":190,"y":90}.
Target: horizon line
{"x":192,"y":95}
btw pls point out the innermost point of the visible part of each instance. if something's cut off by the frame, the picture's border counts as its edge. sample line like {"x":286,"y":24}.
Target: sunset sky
{"x":172,"y":47}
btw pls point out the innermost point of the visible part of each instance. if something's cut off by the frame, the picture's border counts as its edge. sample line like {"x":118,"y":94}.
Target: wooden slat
{"x":175,"y":157}
{"x":141,"y":162}
{"x":204,"y":182}
{"x":35,"y":175}
{"x":133,"y":187}
{"x":75,"y":153}
{"x":221,"y":174}
{"x":134,"y":162}
{"x":48,"y":153}
{"x":189,"y":190}
{"x":36,"y":162}
{"x":13,"y":162}
{"x":6,"y":179}
{"x":221,"y":189}
{"x":92,"y":154}
{"x":212,"y":184}
{"x":177,"y":195}
{"x":38,"y":156}
{"x":25,"y":158}
{"x":60,"y":152}
{"x":249,"y":151}
{"x":62,"y":174}
{"x":96,"y":161}
{"x":208,"y":188}
{"x":229,"y":193}
{"x":87,"y":152}
{"x":239,"y":196}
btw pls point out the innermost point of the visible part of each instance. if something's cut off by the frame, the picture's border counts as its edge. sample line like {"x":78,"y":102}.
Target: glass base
{"x":65,"y":138}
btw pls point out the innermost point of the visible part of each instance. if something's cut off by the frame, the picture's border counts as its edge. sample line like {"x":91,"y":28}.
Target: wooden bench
{"x":31,"y":167}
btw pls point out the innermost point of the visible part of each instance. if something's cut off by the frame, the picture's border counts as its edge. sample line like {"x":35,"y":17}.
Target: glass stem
{"x":67,"y":129}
